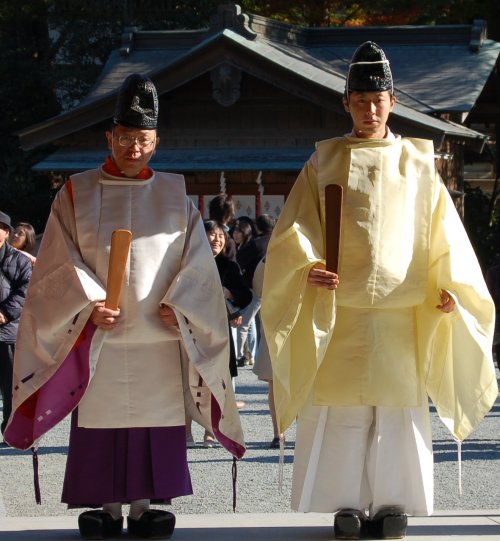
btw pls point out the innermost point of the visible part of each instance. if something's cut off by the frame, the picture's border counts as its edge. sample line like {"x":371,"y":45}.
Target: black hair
{"x":244,"y":228}
{"x":212,"y":225}
{"x":29,"y":236}
{"x":249,"y":221}
{"x":265,"y":223}
{"x":221,"y":208}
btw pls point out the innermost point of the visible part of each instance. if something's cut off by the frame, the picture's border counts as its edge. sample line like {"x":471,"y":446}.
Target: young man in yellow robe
{"x":356,"y":355}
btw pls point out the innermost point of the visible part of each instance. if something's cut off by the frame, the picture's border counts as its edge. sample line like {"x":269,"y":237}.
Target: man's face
{"x":4,"y":234}
{"x":131,"y":148}
{"x":369,"y":112}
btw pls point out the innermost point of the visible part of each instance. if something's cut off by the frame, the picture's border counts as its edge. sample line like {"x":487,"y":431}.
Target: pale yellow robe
{"x":379,"y":338}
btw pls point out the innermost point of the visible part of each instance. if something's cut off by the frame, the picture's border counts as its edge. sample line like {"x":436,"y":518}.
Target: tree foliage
{"x":321,"y":13}
{"x":51,"y":53}
{"x":26,"y":97}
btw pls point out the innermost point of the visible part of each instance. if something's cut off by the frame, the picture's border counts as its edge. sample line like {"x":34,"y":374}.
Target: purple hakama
{"x":107,"y":465}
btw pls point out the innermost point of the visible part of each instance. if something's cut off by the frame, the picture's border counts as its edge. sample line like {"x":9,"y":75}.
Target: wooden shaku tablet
{"x":120,"y":248}
{"x":333,"y":221}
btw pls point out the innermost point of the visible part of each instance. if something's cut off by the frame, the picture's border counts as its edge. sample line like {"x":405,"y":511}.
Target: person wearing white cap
{"x":356,"y":353}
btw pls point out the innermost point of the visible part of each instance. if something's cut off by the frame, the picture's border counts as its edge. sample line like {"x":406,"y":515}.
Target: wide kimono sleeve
{"x":298,"y":319}
{"x":196,"y":296}
{"x":455,"y":350}
{"x":59,"y":301}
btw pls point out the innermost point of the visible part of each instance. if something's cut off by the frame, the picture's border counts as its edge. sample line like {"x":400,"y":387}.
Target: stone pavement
{"x":263,"y":510}
{"x":457,"y":525}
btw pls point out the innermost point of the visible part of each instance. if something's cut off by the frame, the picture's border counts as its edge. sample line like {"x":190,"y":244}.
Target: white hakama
{"x":363,"y":457}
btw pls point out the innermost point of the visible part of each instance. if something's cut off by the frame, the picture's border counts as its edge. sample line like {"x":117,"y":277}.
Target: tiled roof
{"x":435,"y":68}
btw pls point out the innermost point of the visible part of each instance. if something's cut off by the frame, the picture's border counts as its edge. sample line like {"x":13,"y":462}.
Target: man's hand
{"x":320,"y":277}
{"x":236,"y":322}
{"x":104,"y":318}
{"x":3,"y":319}
{"x":447,"y":302}
{"x":168,"y":316}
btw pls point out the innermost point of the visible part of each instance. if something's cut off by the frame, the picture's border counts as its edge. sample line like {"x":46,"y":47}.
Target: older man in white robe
{"x":129,"y":374}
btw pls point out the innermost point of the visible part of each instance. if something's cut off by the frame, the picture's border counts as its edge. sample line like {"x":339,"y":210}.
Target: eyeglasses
{"x":128,"y":140}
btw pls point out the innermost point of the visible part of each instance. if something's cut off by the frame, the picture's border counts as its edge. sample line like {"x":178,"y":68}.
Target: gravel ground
{"x":257,"y":483}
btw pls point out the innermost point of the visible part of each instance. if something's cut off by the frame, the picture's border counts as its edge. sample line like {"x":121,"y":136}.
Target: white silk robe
{"x":140,"y":374}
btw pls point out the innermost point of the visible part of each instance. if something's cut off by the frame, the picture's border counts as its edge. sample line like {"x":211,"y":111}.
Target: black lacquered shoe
{"x":389,"y":523}
{"x":99,"y":524}
{"x":275,"y":444}
{"x":350,"y":524}
{"x":240,"y":362}
{"x":152,"y":524}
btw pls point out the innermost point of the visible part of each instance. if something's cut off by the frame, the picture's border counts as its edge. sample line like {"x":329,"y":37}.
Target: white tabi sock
{"x":114,"y":509}
{"x":137,"y":508}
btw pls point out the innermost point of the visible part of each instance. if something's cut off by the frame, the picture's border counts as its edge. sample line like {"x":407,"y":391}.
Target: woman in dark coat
{"x":237,"y":294}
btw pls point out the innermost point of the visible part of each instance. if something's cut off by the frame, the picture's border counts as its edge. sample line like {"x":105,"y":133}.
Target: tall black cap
{"x":369,"y":70}
{"x":137,"y":103}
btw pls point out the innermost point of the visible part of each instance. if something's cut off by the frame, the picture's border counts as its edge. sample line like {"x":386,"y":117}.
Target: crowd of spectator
{"x":239,"y":246}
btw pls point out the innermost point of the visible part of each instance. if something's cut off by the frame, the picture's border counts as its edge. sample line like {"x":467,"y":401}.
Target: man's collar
{"x":388,"y":134}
